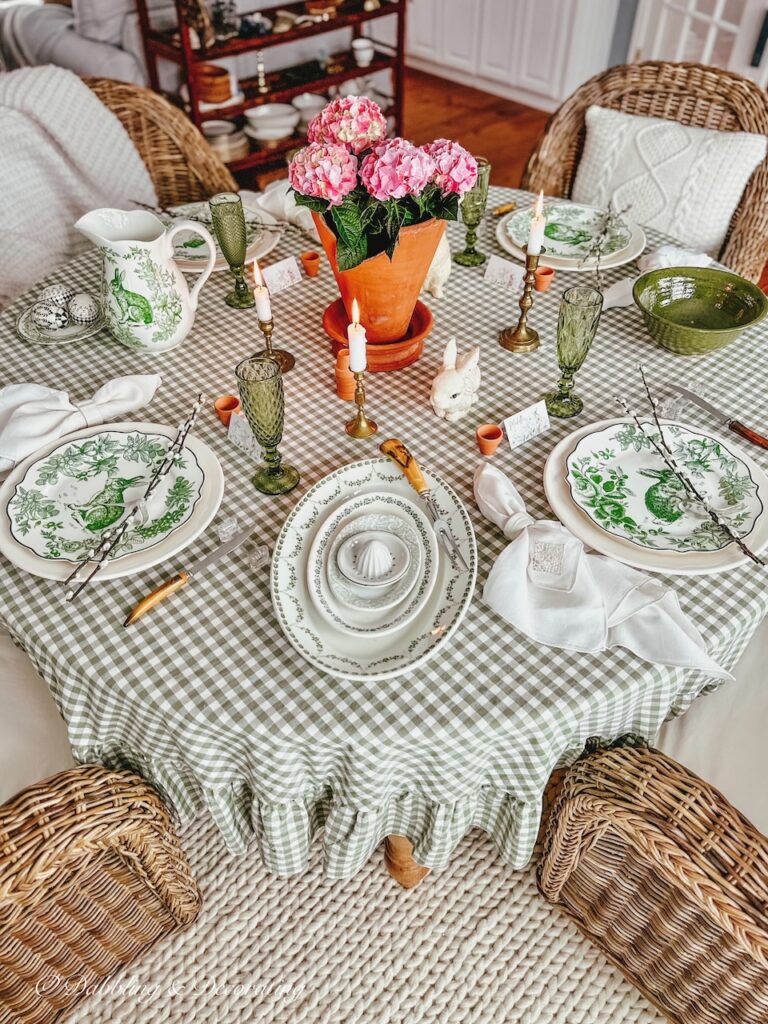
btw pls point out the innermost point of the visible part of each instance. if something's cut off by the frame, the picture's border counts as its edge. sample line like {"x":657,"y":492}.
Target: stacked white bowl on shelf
{"x":271,"y":122}
{"x":308,"y":105}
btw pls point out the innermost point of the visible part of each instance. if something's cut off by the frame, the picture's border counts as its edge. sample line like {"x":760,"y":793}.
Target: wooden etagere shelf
{"x":176,"y":45}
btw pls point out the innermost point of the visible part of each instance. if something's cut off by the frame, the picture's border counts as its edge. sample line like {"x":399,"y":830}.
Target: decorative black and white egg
{"x":56,"y":295}
{"x":83,"y":308}
{"x":49,"y":317}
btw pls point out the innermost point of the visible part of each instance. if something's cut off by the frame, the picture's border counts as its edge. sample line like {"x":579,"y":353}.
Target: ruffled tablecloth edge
{"x":285,"y":829}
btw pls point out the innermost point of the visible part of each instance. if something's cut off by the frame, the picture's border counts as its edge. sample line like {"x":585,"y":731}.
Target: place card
{"x":281,"y":275}
{"x":526,"y":424}
{"x":504,"y":272}
{"x":241,"y":435}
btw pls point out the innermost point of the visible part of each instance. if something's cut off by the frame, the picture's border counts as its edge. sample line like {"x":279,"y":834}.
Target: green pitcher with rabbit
{"x":147,"y":303}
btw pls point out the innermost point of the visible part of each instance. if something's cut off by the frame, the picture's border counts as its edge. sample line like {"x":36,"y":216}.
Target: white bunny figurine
{"x":439,"y":270}
{"x":454,"y":389}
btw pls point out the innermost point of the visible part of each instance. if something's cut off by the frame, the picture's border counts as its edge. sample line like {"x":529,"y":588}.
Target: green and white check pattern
{"x":206,"y":698}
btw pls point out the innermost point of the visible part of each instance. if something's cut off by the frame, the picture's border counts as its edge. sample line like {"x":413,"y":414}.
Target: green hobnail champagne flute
{"x":228,"y":222}
{"x":472,"y":212}
{"x":580,"y":310}
{"x":260,"y":383}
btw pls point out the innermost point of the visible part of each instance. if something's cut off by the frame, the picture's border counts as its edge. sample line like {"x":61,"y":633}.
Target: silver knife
{"x":182,"y":578}
{"x":728,"y":421}
{"x":398,"y":452}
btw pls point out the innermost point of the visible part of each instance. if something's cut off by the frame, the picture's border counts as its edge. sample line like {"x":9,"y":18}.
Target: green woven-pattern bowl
{"x":695,"y":310}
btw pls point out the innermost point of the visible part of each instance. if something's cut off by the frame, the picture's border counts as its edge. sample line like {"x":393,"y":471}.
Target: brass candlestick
{"x":261,"y":78}
{"x":360,"y":425}
{"x":285,"y":359}
{"x":523,"y":338}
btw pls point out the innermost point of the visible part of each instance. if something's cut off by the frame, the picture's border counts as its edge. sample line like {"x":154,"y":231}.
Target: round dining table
{"x":205,"y":696}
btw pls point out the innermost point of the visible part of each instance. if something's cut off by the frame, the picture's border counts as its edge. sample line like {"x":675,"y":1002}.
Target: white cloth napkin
{"x":620,"y":294}
{"x":278,"y":200}
{"x":559,"y":593}
{"x":32,"y":415}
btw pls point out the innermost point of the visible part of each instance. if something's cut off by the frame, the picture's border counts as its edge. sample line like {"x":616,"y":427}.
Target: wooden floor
{"x":501,"y":130}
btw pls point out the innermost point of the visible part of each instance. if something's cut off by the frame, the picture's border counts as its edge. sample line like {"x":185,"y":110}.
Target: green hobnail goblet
{"x":580,"y":310}
{"x":228,"y":222}
{"x":472,"y":212}
{"x":260,"y":384}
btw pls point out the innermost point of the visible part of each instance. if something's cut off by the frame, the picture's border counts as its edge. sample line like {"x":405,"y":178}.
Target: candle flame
{"x":355,"y":312}
{"x":539,"y":207}
{"x":257,"y":278}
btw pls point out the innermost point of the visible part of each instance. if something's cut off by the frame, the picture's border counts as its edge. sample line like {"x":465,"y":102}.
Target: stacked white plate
{"x":569,"y":235}
{"x":359,"y":584}
{"x":610,"y":487}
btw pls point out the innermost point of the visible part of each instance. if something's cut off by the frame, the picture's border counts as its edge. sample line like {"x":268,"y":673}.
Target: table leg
{"x":398,"y":857}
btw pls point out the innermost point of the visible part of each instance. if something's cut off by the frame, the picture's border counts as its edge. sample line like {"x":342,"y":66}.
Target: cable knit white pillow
{"x":683,"y":181}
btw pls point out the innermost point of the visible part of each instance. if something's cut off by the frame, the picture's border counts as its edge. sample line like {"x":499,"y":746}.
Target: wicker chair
{"x":181,"y":164}
{"x":91,"y":874}
{"x":660,"y":872}
{"x":691,"y":94}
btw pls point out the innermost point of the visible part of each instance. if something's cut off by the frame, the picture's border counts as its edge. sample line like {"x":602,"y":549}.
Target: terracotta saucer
{"x":392,"y":355}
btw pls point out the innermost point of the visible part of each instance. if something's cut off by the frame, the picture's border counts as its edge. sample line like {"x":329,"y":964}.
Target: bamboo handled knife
{"x":732,"y":424}
{"x":397,"y":451}
{"x":182,"y":578}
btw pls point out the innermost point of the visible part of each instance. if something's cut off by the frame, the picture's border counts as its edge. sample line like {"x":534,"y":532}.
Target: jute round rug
{"x":473,"y":944}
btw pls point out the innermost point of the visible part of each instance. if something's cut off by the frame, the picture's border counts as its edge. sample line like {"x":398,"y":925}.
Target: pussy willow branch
{"x":665,"y":453}
{"x":608,"y":220}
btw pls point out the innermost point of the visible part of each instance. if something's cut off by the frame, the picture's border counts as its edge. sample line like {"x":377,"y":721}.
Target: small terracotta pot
{"x":544,"y":278}
{"x":489,"y":437}
{"x":345,"y":379}
{"x":225,"y":406}
{"x":310,"y":260}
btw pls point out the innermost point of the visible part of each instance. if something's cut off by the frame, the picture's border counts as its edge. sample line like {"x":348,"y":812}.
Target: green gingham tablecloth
{"x":206,"y":698}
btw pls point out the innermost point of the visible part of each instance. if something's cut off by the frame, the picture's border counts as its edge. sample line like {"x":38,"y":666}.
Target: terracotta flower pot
{"x":385,"y":289}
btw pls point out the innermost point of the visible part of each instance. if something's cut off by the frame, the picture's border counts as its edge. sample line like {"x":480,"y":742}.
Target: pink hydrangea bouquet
{"x":367,"y":187}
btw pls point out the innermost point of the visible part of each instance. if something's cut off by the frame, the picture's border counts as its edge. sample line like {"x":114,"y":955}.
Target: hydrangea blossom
{"x":395,"y":169}
{"x":352,"y":121}
{"x":324,"y":171}
{"x":456,"y":168}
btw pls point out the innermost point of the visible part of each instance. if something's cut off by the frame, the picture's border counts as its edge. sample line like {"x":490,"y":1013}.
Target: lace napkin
{"x":620,"y":293}
{"x":32,"y":415}
{"x":559,"y":593}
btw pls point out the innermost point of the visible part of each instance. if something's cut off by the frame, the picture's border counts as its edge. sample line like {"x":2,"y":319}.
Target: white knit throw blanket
{"x":62,"y":153}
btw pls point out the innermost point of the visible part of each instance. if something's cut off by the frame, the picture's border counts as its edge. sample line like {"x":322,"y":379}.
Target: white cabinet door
{"x":460,"y":30}
{"x":541,"y":45}
{"x":498,"y":42}
{"x":424,"y":36}
{"x":533,"y":51}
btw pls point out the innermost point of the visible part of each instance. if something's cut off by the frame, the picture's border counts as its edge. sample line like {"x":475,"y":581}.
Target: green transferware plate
{"x":190,"y":247}
{"x":570,"y":231}
{"x":68,"y":498}
{"x":618,"y":479}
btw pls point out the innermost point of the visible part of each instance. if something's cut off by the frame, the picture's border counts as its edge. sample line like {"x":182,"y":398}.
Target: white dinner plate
{"x":634,"y":248}
{"x":368,"y":658}
{"x":28,"y":545}
{"x":399,"y":515}
{"x":682,"y":563}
